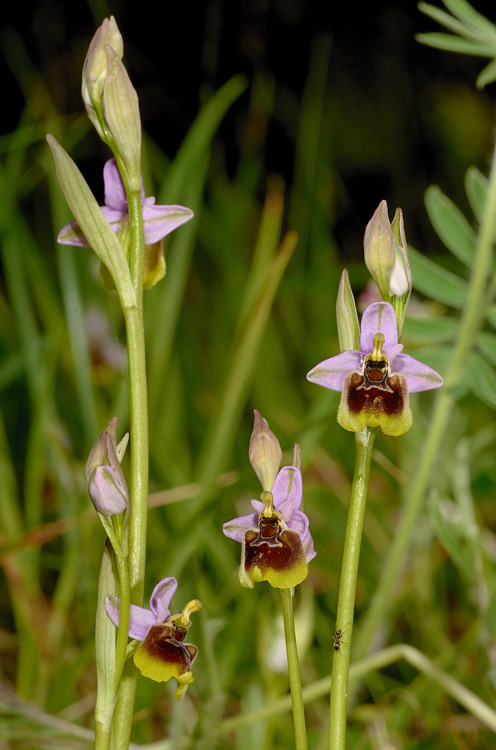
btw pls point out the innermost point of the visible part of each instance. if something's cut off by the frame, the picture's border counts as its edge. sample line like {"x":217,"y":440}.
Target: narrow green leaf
{"x":436,"y":282}
{"x":486,"y":76}
{"x":482,"y":379}
{"x":105,"y":647}
{"x":468,"y":15}
{"x":476,"y":189}
{"x":431,"y":330}
{"x":451,"y":43}
{"x":491,"y":315}
{"x":443,"y":18}
{"x":95,"y":227}
{"x":486,"y":344}
{"x":451,"y":225}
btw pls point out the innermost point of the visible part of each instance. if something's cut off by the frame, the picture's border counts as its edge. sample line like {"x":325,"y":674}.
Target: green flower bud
{"x":378,"y":245}
{"x":265,"y":452}
{"x":104,"y":476}
{"x":122,"y":116}
{"x":95,"y":71}
{"x":386,"y":257}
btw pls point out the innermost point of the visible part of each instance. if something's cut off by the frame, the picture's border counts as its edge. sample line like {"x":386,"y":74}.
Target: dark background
{"x":398,"y":115}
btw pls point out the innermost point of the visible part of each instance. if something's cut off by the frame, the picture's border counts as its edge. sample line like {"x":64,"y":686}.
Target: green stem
{"x":364,"y":442}
{"x":469,"y":326}
{"x":122,"y":632}
{"x":138,"y":485}
{"x":300,"y":731}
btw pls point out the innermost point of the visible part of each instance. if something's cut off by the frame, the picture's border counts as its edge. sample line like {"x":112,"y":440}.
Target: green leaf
{"x":450,"y":43}
{"x":491,"y":315}
{"x":482,"y":379}
{"x":486,"y":76}
{"x":486,"y":344}
{"x":451,"y":225}
{"x":105,"y":646}
{"x":468,"y":15}
{"x":431,"y":330}
{"x":476,"y":189}
{"x":436,"y":282}
{"x":443,"y":18}
{"x":95,"y":227}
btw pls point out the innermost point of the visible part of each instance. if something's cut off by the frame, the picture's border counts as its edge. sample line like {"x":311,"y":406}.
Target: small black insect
{"x":337,"y":639}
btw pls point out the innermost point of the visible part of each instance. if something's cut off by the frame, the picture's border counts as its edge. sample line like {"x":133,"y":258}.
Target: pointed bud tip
{"x":264,"y":452}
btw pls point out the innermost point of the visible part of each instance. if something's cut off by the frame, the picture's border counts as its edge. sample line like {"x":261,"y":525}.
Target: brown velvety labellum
{"x":279,"y":552}
{"x":161,"y":644}
{"x":373,"y":394}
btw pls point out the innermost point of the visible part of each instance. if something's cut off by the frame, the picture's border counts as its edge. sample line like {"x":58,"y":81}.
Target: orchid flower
{"x":162,"y":653}
{"x":159,"y":221}
{"x":276,"y":545}
{"x":375,"y":381}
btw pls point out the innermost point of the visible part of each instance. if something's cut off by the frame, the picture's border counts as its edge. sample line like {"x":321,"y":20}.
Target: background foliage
{"x":327,"y":114}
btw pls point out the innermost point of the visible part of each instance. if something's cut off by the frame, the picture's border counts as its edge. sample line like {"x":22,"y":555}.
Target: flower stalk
{"x":364,"y":442}
{"x":138,"y":420}
{"x":300,"y":732}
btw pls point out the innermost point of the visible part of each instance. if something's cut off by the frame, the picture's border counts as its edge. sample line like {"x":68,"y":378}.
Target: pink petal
{"x":115,"y":195}
{"x":299,"y":522}
{"x":237,"y":528}
{"x":392,"y":352}
{"x":331,"y":372}
{"x":287,"y":491}
{"x":140,"y":619}
{"x":308,"y":547}
{"x":379,"y":317}
{"x":161,"y":220}
{"x":161,"y":597}
{"x":257,"y":505}
{"x":114,"y":216}
{"x":419,"y":377}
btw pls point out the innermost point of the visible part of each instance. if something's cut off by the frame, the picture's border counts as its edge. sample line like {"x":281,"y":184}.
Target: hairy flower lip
{"x":378,"y":317}
{"x":159,"y":220}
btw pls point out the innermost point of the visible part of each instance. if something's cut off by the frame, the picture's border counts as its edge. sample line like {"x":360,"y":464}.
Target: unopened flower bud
{"x":122,"y":116}
{"x":264,"y":452}
{"x":378,"y":245}
{"x":346,"y":316}
{"x":104,"y":476}
{"x":95,"y":70}
{"x":400,"y":281}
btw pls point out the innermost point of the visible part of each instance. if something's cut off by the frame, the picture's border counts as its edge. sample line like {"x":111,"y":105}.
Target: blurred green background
{"x":264,"y":117}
